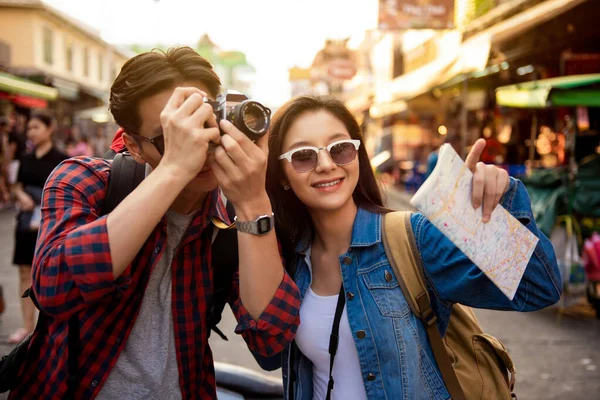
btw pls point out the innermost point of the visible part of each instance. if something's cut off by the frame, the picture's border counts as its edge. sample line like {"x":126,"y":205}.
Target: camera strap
{"x":334,"y":338}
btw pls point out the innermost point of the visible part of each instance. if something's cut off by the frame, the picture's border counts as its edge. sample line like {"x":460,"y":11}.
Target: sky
{"x":274,"y":34}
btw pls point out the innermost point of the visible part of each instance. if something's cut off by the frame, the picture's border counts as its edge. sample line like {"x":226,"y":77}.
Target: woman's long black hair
{"x":292,"y":220}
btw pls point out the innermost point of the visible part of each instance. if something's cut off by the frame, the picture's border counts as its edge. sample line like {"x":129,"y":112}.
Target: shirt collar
{"x":212,"y":207}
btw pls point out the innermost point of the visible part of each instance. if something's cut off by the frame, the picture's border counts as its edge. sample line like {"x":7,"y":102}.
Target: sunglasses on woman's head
{"x":306,"y":158}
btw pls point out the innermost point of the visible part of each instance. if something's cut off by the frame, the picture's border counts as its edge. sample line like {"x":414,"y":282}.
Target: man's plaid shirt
{"x":72,"y":274}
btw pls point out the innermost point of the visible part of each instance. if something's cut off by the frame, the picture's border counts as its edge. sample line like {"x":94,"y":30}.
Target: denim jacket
{"x":395,"y":356}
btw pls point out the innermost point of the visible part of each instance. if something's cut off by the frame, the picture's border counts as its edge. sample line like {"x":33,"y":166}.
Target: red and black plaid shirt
{"x":72,"y":274}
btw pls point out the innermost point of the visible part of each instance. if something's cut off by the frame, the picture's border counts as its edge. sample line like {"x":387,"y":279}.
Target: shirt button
{"x":157,"y":249}
{"x":388,"y":276}
{"x":371,"y":377}
{"x":94,"y":383}
{"x":347,"y":260}
{"x":350,"y":295}
{"x":361,"y":334}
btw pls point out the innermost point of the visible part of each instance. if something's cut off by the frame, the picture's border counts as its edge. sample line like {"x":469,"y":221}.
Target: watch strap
{"x":260,"y":226}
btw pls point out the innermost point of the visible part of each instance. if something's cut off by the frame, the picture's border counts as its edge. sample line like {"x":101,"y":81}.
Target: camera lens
{"x":252,"y":118}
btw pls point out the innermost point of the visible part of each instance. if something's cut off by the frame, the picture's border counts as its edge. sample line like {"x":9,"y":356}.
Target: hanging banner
{"x":416,"y":14}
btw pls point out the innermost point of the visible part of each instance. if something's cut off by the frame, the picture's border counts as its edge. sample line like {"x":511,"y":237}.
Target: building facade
{"x":50,"y":48}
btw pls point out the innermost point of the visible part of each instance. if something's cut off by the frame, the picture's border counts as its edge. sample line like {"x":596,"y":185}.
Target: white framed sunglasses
{"x":306,"y":158}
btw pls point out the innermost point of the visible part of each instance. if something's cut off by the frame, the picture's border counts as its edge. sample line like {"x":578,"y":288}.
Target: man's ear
{"x":134,"y":148}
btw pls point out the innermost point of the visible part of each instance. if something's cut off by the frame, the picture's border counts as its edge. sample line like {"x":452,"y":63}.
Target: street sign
{"x":416,"y":14}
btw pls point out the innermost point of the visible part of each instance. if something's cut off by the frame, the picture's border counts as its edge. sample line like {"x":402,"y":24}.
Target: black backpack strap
{"x":224,"y":263}
{"x":334,"y":339}
{"x":125,"y":175}
{"x":110,"y":154}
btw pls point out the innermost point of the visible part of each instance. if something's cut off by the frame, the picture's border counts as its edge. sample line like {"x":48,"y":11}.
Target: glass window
{"x":48,"y":39}
{"x":69,"y":56}
{"x":86,"y":62}
{"x":100,"y":68}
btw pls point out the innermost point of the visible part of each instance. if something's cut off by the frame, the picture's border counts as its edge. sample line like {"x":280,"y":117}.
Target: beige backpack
{"x":473,"y":364}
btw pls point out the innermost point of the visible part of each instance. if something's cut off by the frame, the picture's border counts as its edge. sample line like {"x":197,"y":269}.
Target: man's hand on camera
{"x":188,"y":125}
{"x":240,"y":167}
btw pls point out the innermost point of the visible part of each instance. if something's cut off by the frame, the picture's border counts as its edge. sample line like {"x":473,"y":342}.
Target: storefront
{"x":24,"y":94}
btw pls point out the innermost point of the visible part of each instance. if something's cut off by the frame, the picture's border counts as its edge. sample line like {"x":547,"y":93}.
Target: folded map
{"x":501,"y":248}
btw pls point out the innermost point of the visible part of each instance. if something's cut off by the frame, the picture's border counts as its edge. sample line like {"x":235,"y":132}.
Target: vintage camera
{"x":250,"y":117}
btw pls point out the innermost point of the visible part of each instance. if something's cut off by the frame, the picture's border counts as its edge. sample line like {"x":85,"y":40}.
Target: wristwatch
{"x":260,"y":226}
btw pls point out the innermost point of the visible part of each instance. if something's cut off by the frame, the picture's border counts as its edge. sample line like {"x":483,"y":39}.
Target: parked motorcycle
{"x":239,"y":383}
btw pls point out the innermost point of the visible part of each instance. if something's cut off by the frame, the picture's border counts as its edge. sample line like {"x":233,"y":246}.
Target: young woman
{"x":34,"y":169}
{"x":328,"y":216}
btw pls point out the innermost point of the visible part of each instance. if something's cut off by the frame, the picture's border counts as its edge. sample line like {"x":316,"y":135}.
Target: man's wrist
{"x":249,"y":210}
{"x":173,"y":175}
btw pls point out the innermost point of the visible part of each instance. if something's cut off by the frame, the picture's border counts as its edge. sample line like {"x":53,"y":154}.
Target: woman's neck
{"x":333,"y":229}
{"x":42,"y":149}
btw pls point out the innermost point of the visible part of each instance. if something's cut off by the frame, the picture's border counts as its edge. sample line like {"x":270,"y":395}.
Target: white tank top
{"x":312,"y":338}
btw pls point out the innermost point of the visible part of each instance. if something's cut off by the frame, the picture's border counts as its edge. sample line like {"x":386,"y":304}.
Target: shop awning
{"x":12,"y":84}
{"x":529,"y":18}
{"x":566,"y":91}
{"x":475,"y":50}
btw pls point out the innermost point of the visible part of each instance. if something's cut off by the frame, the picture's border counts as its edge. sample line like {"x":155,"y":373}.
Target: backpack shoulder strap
{"x":125,"y":175}
{"x":398,"y":241}
{"x":225,"y":261}
{"x":400,"y":247}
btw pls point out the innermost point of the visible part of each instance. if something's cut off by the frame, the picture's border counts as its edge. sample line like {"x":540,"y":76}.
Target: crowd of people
{"x":30,"y":149}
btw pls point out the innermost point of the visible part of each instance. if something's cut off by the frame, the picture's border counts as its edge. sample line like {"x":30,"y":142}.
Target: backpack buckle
{"x":429,"y":318}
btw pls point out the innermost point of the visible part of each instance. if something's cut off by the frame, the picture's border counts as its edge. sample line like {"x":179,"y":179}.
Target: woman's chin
{"x":329,"y":203}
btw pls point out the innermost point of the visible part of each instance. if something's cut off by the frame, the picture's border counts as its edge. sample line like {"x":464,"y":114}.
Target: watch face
{"x":264,"y":225}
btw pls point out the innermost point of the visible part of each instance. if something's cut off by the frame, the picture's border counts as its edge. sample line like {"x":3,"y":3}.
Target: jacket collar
{"x":366,"y":231}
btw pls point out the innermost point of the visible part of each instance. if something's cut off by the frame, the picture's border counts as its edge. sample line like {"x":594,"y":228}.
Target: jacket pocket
{"x":385,"y":291}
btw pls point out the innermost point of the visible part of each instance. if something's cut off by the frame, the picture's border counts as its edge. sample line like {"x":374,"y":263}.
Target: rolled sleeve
{"x":278,"y":323}
{"x":88,"y":257}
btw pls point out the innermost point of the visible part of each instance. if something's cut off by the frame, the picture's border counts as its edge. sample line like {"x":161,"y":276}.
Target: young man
{"x":139,"y":279}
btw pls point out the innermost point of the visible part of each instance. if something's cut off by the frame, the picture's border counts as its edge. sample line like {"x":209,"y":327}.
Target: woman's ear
{"x":134,"y":148}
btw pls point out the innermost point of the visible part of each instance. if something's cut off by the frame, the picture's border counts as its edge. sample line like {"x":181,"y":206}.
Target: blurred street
{"x":556,"y":358}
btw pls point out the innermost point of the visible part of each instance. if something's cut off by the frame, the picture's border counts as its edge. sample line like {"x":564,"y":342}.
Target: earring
{"x":286,"y":187}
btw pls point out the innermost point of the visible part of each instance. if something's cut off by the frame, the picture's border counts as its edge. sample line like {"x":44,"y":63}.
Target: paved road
{"x":556,"y":358}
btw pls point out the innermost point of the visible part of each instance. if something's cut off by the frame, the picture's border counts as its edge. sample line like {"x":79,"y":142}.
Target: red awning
{"x":24,"y":101}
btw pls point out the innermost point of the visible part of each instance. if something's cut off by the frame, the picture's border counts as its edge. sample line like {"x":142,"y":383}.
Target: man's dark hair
{"x":3,"y":120}
{"x":149,"y":73}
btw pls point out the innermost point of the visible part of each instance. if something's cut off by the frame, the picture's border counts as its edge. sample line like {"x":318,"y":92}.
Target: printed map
{"x":501,"y":248}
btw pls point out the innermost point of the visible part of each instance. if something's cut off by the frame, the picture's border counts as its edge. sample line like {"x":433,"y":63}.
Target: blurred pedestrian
{"x":34,"y":169}
{"x":494,"y":152}
{"x":16,"y":146}
{"x":4,"y":132}
{"x":79,"y":144}
{"x":99,"y":141}
{"x":451,"y":138}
